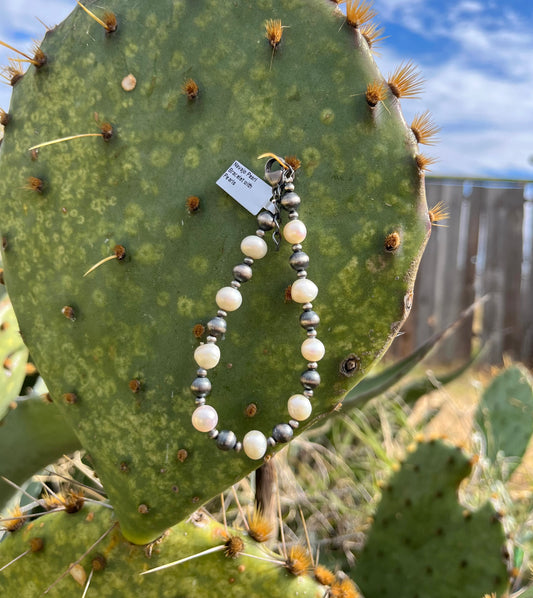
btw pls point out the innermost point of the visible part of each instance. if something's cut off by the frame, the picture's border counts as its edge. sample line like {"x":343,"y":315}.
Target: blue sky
{"x":476,"y":57}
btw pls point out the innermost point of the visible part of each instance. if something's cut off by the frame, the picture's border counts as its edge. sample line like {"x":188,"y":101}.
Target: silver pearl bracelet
{"x":229,"y":298}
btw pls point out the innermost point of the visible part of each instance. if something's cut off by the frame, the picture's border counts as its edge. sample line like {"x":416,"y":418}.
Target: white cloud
{"x":23,"y":17}
{"x":478,"y":89}
{"x":466,"y":8}
{"x":486,"y":120}
{"x":410,"y":15}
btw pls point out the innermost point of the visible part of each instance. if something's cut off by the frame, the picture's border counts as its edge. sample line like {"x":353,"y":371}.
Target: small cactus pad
{"x":174,"y":92}
{"x":423,"y":543}
{"x":505,"y":415}
{"x":62,"y":539}
{"x":32,"y":435}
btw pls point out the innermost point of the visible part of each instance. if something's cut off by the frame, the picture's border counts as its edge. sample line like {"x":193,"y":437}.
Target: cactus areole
{"x":146,"y":110}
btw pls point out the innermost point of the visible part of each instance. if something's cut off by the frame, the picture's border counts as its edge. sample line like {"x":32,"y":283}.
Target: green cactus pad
{"x":32,"y":436}
{"x":423,"y":543}
{"x":132,"y":320}
{"x":505,"y":415}
{"x":66,"y":537}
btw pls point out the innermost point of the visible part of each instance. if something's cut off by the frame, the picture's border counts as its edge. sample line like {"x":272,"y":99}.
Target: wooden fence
{"x":486,"y":249}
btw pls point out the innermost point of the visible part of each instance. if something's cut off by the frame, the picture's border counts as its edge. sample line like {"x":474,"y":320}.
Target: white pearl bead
{"x":228,"y":299}
{"x":254,"y":247}
{"x":254,"y":444}
{"x":299,"y":407}
{"x":294,"y":231}
{"x":207,"y":356}
{"x":303,"y":290}
{"x":205,"y":418}
{"x":313,"y":349}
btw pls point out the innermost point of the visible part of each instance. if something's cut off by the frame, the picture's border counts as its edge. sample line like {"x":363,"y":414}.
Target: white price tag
{"x":246,"y":188}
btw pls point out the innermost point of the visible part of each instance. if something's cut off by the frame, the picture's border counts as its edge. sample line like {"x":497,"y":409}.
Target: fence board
{"x":512,"y":256}
{"x":465,"y":331}
{"x":450,"y":266}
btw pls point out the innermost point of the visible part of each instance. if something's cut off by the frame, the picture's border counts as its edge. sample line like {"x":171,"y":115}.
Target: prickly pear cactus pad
{"x":174,"y":92}
{"x":505,"y":415}
{"x":55,"y":544}
{"x":423,"y":543}
{"x":37,"y":434}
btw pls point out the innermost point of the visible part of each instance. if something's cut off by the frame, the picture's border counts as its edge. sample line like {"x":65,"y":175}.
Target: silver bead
{"x":302,"y":274}
{"x":212,"y":433}
{"x":293,"y":424}
{"x":271,"y":442}
{"x":297,"y":247}
{"x":311,"y":332}
{"x":282,"y":433}
{"x":248,"y":261}
{"x":288,"y":187}
{"x":222,"y":314}
{"x":217,"y":326}
{"x":199,"y":401}
{"x":265,"y":220}
{"x":226,"y":440}
{"x":308,"y":393}
{"x":201,"y":372}
{"x":310,"y":379}
{"x":293,"y":215}
{"x":290,"y":200}
{"x":242,"y":272}
{"x":201,"y":386}
{"x":211,"y":339}
{"x":235,"y":284}
{"x":260,"y":233}
{"x":299,"y":260}
{"x":238,"y":447}
{"x":309,"y":319}
{"x":312,"y":365}
{"x":307,"y":306}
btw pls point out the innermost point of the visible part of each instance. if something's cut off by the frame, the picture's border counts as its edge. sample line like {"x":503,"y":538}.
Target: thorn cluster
{"x":109,"y":22}
{"x":298,"y":561}
{"x":190,"y":89}
{"x":424,"y":129}
{"x":375,"y":93}
{"x":359,"y":12}
{"x":12,"y":73}
{"x":373,"y":34}
{"x":406,"y":81}
{"x":15,"y":520}
{"x":423,"y":162}
{"x":260,"y":528}
{"x":437,"y":213}
{"x":4,"y":117}
{"x":273,"y":32}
